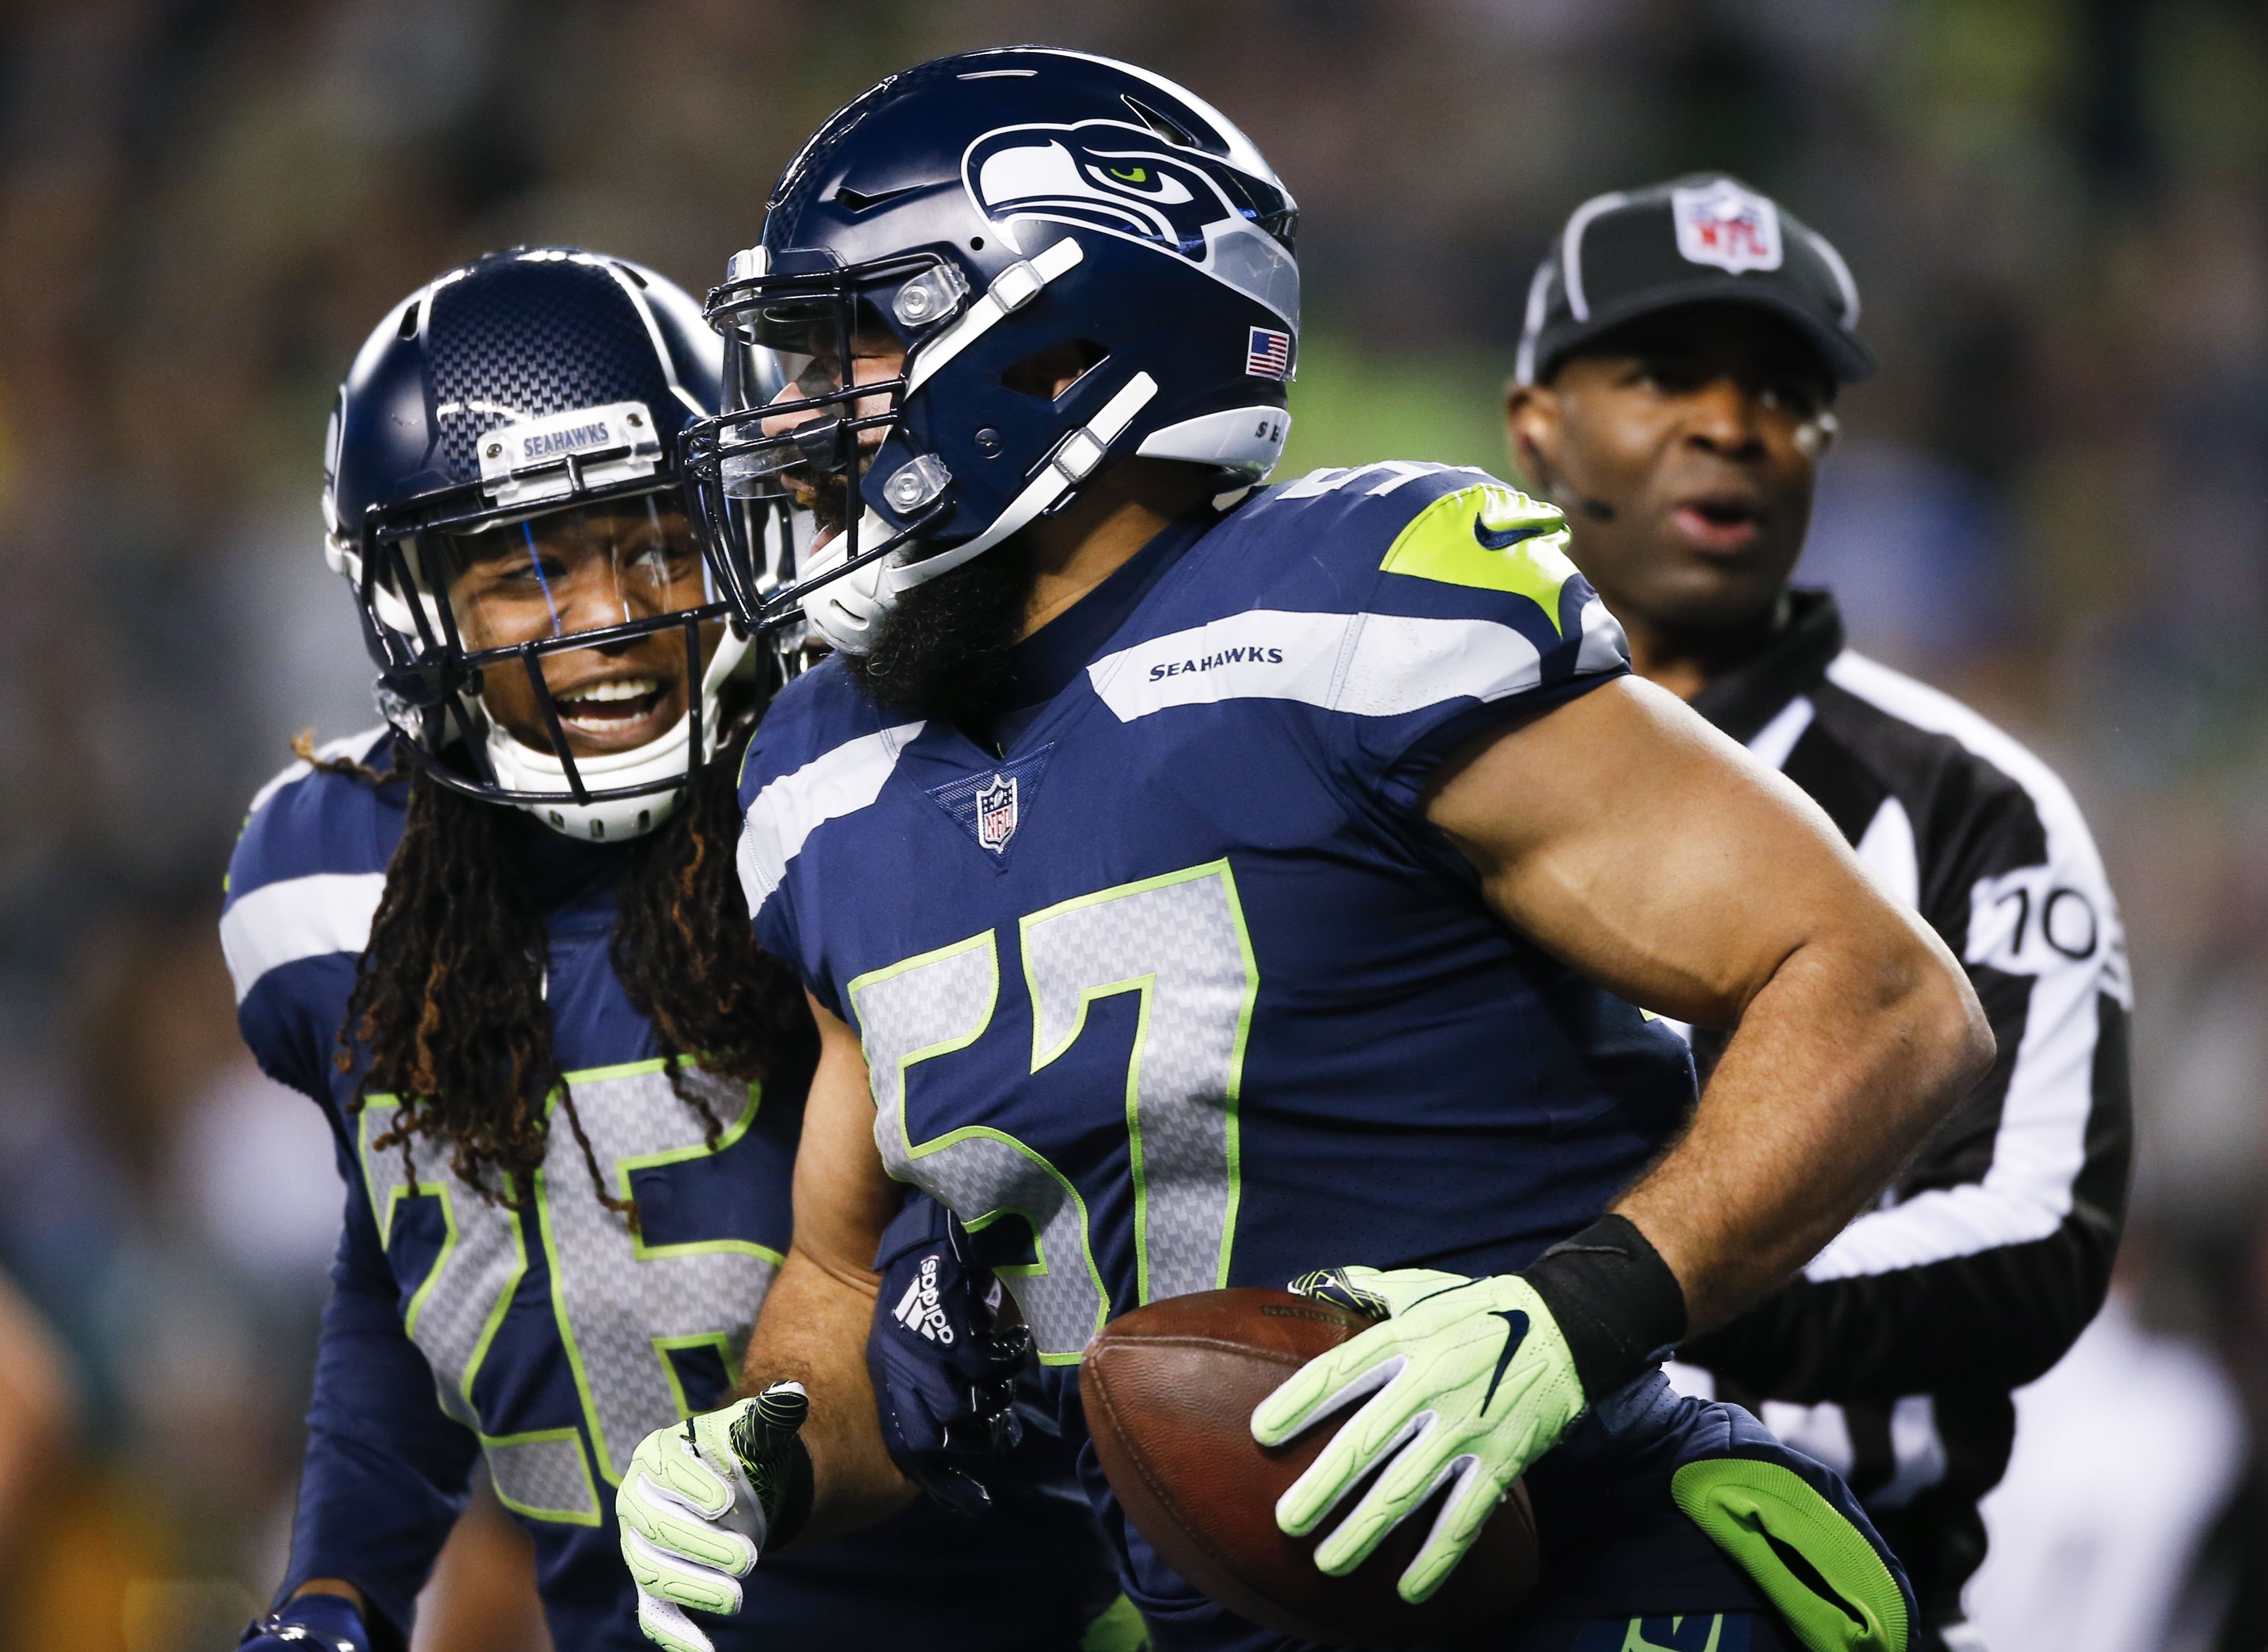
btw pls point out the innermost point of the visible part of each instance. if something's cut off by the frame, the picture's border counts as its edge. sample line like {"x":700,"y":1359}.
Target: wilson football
{"x":1169,"y":1390}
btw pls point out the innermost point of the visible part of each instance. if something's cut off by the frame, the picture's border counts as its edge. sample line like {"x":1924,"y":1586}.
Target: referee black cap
{"x":1705,"y":238}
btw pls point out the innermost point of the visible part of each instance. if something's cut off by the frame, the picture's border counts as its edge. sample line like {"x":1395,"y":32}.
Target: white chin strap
{"x":842,"y":613}
{"x":520,"y":767}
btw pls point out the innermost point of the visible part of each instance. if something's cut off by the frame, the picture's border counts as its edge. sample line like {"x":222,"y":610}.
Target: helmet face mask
{"x":585,"y":627}
{"x":837,"y":386}
{"x":541,"y":649}
{"x":957,"y":225}
{"x":844,"y":376}
{"x":549,"y":631}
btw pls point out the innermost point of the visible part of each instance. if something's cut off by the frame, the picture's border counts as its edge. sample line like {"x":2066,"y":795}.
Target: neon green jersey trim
{"x":1450,"y":541}
{"x":1758,"y":1513}
{"x":1634,"y":1638}
{"x":586,"y":1515}
{"x":664,"y":1347}
{"x":1119,"y":1629}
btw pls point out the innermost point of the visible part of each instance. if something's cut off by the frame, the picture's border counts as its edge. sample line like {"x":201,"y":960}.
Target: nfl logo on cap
{"x":1724,"y":224}
{"x":996,"y":813}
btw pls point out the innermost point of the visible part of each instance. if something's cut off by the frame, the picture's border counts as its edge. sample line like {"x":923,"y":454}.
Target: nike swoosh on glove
{"x":1465,"y":1380}
{"x":702,"y":1501}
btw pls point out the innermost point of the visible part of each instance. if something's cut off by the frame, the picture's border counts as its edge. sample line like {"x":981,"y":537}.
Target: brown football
{"x":1169,"y":1390}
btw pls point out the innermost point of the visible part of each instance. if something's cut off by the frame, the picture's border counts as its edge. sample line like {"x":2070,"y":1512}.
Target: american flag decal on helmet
{"x":1269,"y":354}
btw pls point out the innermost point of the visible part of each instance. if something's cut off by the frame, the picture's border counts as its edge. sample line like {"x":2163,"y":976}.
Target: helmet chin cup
{"x":521,"y":768}
{"x":544,"y":790}
{"x":842,"y":609}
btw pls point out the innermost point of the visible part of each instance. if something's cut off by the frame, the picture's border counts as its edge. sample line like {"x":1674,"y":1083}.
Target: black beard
{"x":942,"y":650}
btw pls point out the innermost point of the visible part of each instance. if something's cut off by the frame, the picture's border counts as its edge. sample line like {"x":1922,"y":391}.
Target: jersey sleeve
{"x":819,"y":752}
{"x":1472,"y":616}
{"x":304,"y":882}
{"x":269,"y":1015}
{"x":1996,"y":1250}
{"x":386,"y":1471}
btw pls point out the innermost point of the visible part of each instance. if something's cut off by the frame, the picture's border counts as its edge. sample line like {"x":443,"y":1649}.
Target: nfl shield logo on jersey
{"x":996,"y":813}
{"x":1724,"y":224}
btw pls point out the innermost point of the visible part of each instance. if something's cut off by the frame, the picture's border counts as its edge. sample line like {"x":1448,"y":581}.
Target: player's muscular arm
{"x":812,"y":1329}
{"x":1630,"y":838}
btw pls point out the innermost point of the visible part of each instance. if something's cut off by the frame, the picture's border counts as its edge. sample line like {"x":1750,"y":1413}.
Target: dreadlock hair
{"x":448,"y":998}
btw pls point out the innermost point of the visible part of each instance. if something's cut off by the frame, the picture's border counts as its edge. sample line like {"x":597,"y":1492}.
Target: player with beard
{"x":501,"y":943}
{"x":1683,"y":347}
{"x":1200,"y":884}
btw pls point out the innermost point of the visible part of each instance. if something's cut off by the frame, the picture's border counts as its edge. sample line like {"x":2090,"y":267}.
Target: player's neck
{"x":1686,"y":660}
{"x":1101,"y":530}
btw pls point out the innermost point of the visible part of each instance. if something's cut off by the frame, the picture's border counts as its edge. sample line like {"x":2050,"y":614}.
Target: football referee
{"x":1680,"y":356}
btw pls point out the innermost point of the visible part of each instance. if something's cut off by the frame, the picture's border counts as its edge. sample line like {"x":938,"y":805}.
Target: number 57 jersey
{"x":1179,"y":990}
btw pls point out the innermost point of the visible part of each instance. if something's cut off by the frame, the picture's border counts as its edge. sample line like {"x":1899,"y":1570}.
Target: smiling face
{"x":1682,"y":447}
{"x":583,"y":570}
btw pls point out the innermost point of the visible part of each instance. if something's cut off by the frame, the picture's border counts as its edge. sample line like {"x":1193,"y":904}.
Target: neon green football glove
{"x":1467,"y":1381}
{"x":702,"y":1501}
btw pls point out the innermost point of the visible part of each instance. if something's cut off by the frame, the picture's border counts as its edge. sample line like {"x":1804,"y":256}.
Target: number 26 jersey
{"x":548,"y":1340}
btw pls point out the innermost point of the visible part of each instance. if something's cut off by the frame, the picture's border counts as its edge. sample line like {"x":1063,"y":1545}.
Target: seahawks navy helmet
{"x":984,"y":213}
{"x":503,"y":491}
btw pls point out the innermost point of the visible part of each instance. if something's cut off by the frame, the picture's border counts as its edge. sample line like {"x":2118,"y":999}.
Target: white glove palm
{"x":697,"y":1507}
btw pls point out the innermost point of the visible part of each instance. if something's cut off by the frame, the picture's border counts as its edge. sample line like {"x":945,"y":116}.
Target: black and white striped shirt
{"x":1892,"y":1357}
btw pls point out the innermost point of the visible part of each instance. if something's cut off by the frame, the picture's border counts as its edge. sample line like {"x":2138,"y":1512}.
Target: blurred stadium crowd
{"x":2054,"y":501}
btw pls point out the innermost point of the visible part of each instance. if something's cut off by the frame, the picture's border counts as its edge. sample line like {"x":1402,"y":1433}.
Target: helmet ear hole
{"x":1048,"y":373}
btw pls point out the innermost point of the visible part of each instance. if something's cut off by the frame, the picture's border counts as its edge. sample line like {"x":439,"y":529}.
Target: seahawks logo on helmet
{"x":1125,"y":181}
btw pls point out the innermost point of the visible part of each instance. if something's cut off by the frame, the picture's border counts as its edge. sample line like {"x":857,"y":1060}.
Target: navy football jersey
{"x":550,"y":1341}
{"x":1180,"y":990}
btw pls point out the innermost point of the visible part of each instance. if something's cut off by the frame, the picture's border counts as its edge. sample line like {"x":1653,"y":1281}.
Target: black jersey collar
{"x":1744,"y":699}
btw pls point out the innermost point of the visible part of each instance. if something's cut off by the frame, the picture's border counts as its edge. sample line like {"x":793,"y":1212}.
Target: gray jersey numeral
{"x":621,"y":1305}
{"x":1180,"y":942}
{"x":932,"y":1006}
{"x":624,"y":1304}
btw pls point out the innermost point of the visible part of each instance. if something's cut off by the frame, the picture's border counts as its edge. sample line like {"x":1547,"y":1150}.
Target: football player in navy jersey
{"x":501,"y":943}
{"x":1198,"y":884}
